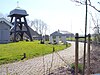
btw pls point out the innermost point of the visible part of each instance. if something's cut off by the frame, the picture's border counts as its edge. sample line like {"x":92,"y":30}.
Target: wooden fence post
{"x":88,"y":55}
{"x":76,"y":53}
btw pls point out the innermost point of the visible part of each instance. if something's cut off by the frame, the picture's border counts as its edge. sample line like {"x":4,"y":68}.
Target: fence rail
{"x":88,"y":54}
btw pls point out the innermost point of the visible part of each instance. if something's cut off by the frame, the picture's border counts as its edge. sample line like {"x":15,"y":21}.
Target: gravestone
{"x":57,"y":39}
{"x":63,"y":39}
{"x":51,"y":39}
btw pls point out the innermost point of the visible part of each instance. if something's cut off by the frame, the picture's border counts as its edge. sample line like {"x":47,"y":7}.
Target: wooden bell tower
{"x":18,"y":19}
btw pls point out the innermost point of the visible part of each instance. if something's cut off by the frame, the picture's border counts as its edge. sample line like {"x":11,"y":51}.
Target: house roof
{"x":33,"y":33}
{"x":60,"y":33}
{"x":56,"y":33}
{"x":4,"y":20}
{"x":65,"y":32}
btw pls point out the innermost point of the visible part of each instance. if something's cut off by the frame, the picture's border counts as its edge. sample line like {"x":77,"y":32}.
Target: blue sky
{"x":57,"y":14}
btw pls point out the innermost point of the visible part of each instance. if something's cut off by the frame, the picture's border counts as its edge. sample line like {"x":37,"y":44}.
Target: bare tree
{"x":35,"y":25}
{"x":86,"y":3}
{"x":96,"y":28}
{"x":94,"y":20}
{"x":39,"y":26}
{"x":83,"y":2}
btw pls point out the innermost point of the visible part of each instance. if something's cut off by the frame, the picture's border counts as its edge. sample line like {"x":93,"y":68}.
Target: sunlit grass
{"x":80,"y":39}
{"x":14,"y":51}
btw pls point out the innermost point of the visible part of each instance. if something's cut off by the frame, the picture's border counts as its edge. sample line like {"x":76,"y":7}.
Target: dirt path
{"x":41,"y":65}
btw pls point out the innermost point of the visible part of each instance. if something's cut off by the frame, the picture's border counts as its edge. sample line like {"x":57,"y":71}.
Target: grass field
{"x":14,"y":51}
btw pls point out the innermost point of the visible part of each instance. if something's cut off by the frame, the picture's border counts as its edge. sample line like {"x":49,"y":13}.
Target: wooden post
{"x":88,"y":55}
{"x":76,"y":54}
{"x":24,"y":55}
{"x":86,"y":19}
{"x":66,"y":44}
{"x":53,"y":49}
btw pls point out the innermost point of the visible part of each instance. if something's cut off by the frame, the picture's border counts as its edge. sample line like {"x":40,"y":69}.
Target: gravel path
{"x":42,"y":65}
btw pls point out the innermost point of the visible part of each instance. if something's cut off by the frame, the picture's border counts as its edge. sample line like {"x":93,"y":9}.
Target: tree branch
{"x":89,"y":3}
{"x":93,"y":19}
{"x":94,"y":7}
{"x":80,"y":2}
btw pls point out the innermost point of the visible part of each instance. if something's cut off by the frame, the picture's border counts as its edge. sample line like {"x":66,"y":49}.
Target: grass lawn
{"x":80,"y":39}
{"x":14,"y":51}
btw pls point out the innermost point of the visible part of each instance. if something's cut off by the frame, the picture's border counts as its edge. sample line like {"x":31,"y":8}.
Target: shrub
{"x":80,"y":67}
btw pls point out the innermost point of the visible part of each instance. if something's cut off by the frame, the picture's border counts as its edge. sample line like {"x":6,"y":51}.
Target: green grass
{"x":14,"y":51}
{"x":73,"y":39}
{"x":70,"y":38}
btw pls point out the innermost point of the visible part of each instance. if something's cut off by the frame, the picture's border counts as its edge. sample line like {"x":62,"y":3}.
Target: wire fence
{"x":45,"y":66}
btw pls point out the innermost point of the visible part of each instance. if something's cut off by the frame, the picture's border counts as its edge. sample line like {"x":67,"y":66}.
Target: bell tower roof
{"x":18,"y":11}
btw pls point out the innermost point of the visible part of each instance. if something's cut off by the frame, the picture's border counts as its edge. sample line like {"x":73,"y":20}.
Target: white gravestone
{"x":63,"y":38}
{"x":51,"y":39}
{"x":57,"y":39}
